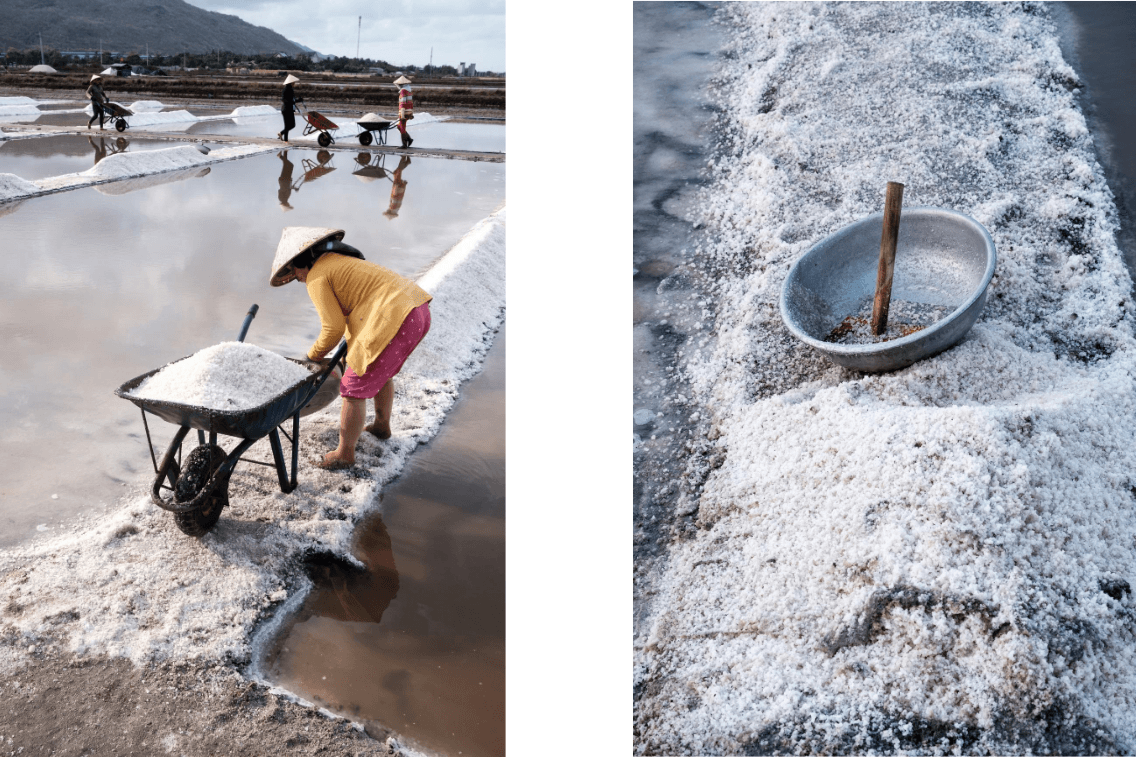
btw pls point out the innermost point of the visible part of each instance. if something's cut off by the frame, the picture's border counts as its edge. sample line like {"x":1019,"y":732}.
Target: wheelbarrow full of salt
{"x":943,"y":262}
{"x":378,"y":125}
{"x":199,"y":485}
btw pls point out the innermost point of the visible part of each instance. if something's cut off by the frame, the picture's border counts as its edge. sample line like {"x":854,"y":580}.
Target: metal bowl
{"x":943,"y":258}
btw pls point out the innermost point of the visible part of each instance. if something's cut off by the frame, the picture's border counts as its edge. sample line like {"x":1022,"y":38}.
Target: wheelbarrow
{"x":118,"y":114}
{"x":317,"y":122}
{"x":375,"y":124}
{"x":199,"y":487}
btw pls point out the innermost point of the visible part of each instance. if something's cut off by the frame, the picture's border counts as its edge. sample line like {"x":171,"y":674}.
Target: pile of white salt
{"x":226,"y":376}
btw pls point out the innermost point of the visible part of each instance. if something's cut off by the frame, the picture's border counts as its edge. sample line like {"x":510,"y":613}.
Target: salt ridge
{"x":915,"y":561}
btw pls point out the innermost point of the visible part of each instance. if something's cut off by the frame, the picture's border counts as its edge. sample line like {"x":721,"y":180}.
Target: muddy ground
{"x":60,"y":705}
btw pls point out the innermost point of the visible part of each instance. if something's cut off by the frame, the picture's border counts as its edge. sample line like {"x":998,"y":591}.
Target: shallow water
{"x":122,"y":278}
{"x":417,"y":642}
{"x":1103,"y":55}
{"x":676,"y":46}
{"x":477,"y":137}
{"x":40,"y":157}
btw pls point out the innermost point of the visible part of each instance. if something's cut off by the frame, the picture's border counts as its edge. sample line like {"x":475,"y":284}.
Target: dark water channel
{"x":115,"y":280}
{"x":1100,"y":48}
{"x":675,"y":53}
{"x":40,"y":157}
{"x":417,"y":642}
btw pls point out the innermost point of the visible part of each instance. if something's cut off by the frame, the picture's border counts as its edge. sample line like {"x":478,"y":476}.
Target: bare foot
{"x":381,"y":430}
{"x":331,"y":462}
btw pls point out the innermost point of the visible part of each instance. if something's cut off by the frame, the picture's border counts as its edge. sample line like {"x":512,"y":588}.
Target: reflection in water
{"x":398,"y":190}
{"x":420,"y":647}
{"x":313,"y":169}
{"x":351,"y":595}
{"x":101,"y":149}
{"x":369,"y":170}
{"x":124,"y":186}
{"x":285,"y":180}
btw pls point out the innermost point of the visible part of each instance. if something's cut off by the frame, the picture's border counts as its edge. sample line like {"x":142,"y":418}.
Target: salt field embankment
{"x":937,"y":559}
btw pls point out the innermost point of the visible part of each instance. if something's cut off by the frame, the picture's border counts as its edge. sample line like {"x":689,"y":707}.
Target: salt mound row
{"x":19,"y":109}
{"x":12,"y":186}
{"x":938,"y":559}
{"x":251,"y":111}
{"x":226,"y":376}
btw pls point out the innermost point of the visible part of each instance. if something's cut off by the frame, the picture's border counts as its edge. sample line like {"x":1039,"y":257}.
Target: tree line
{"x":216,"y":59}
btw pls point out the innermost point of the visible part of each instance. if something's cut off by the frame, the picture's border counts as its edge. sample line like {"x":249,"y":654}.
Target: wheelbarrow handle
{"x":248,"y":321}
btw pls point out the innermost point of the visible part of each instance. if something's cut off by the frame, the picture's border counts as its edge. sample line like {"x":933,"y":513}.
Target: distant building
{"x":464,"y":70}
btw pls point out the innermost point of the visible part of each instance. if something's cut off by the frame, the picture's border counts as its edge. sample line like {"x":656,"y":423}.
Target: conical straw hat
{"x":96,"y":77}
{"x":402,"y":80}
{"x":293,"y":241}
{"x":291,"y":80}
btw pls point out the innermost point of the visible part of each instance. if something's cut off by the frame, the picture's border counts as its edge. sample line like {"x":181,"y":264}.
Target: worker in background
{"x":98,"y":97}
{"x":405,"y":108}
{"x":288,"y":107}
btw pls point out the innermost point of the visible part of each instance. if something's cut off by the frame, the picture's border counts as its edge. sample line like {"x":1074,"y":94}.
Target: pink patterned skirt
{"x":390,"y":360}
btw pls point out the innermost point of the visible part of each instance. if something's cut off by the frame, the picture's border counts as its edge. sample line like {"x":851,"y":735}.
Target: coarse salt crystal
{"x":226,"y":376}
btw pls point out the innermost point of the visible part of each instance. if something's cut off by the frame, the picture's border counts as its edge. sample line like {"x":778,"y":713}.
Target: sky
{"x":397,"y":31}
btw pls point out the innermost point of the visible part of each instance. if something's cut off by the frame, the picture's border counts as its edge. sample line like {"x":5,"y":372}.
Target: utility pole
{"x":358,"y":37}
{"x":41,"y":60}
{"x":430,"y":65}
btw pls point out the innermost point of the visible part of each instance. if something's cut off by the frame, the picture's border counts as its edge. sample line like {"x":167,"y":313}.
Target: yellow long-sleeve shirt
{"x":363,"y":300}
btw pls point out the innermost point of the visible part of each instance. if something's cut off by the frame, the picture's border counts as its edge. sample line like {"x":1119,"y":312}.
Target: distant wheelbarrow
{"x":200,"y":485}
{"x":374,"y":123}
{"x":319,"y":123}
{"x":118,"y":114}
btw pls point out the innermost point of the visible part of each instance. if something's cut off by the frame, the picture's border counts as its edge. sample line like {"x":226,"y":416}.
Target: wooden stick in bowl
{"x":892,"y":205}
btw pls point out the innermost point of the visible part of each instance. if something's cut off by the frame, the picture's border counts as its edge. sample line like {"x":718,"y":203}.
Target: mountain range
{"x":168,"y":27}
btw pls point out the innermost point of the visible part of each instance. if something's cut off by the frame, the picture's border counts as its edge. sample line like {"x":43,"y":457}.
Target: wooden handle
{"x":892,"y":205}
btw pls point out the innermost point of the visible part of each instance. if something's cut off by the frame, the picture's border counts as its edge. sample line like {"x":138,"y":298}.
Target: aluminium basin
{"x":943,"y":258}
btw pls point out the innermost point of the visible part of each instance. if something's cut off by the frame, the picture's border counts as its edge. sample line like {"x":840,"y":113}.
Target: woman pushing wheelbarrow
{"x":383,"y":315}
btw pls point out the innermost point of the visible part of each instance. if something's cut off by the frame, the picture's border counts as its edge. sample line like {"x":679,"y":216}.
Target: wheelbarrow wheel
{"x":365,"y":138}
{"x":200,"y":465}
{"x":120,"y":124}
{"x":324,"y":139}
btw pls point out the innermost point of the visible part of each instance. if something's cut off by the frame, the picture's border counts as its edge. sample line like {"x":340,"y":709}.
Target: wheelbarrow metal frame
{"x":249,"y":425}
{"x":317,"y":122}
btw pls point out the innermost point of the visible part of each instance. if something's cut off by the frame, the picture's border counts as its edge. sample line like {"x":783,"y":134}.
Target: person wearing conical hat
{"x":382,"y":315}
{"x":98,"y":97}
{"x":288,"y":108}
{"x":405,"y":108}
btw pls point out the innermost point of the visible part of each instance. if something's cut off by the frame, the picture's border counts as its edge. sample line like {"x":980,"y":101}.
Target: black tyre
{"x":365,"y":138}
{"x":200,"y":465}
{"x":324,"y":139}
{"x":120,"y":124}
